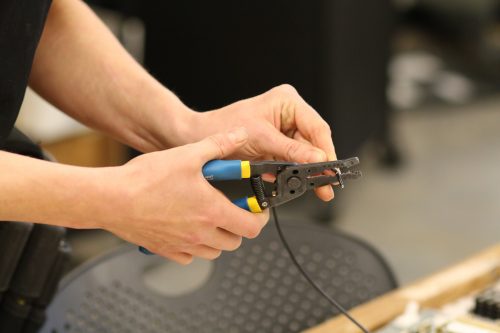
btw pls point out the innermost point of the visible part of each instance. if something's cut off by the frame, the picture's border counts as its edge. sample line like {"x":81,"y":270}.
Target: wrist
{"x":44,"y":192}
{"x":106,"y":198}
{"x":79,"y":197}
{"x":204,"y":124}
{"x":199,"y":126}
{"x":169,"y":121}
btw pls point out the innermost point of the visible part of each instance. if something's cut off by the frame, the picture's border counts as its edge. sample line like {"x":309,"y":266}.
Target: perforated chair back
{"x":254,"y":289}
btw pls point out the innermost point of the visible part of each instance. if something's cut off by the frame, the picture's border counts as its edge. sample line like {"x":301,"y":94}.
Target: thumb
{"x":293,"y":150}
{"x":222,"y":145}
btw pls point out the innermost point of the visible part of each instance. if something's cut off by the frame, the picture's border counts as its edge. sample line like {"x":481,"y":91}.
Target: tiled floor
{"x":444,"y":203}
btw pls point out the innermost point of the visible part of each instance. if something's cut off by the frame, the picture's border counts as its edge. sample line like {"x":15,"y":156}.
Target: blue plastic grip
{"x":242,"y":203}
{"x":222,"y":170}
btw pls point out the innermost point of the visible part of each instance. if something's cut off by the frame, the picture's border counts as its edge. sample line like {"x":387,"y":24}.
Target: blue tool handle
{"x":222,"y":170}
{"x":241,"y":202}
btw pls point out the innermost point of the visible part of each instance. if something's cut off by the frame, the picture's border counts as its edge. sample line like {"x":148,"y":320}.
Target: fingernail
{"x":332,"y":157}
{"x":238,"y":135}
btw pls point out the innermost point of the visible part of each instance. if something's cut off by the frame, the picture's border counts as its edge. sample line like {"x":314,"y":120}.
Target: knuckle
{"x":218,"y":141}
{"x":287,"y":89}
{"x":209,"y":215}
{"x":212,"y":223}
{"x":156,"y":250}
{"x":216,"y":254}
{"x":291,"y":149}
{"x":180,"y":258}
{"x":185,"y":260}
{"x":324,"y":128}
{"x":208,"y":221}
{"x":235,"y":244}
{"x":253,"y":232}
{"x":160,"y":248}
{"x":193,"y":238}
{"x":167,"y":255}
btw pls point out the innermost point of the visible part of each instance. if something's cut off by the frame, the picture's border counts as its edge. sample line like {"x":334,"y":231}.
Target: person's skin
{"x":159,"y":200}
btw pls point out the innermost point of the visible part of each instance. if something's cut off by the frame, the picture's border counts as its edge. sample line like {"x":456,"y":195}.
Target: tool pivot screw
{"x":294,"y":183}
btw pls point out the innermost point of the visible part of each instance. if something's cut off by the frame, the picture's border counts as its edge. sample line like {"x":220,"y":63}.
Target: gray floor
{"x":444,"y":203}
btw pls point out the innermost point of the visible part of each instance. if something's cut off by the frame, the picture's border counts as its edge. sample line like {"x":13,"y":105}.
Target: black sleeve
{"x":21,"y":24}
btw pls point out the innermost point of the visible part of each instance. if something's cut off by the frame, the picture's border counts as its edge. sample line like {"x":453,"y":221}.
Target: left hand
{"x":280,"y":125}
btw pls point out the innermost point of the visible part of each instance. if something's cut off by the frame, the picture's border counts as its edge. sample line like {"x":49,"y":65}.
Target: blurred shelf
{"x":89,"y":149}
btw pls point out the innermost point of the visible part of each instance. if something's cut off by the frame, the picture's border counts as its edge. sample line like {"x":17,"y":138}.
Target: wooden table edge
{"x":449,"y":284}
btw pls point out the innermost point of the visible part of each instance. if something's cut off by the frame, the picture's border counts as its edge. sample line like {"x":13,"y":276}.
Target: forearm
{"x":82,"y":69}
{"x":43,"y":192}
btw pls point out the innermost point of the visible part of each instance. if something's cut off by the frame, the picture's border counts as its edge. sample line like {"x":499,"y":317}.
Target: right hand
{"x":166,"y":205}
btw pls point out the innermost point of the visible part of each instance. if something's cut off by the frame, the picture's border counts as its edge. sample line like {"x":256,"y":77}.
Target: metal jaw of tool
{"x":293,"y":180}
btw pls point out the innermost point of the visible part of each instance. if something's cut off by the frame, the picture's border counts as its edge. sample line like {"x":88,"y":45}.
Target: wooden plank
{"x":445,"y":286}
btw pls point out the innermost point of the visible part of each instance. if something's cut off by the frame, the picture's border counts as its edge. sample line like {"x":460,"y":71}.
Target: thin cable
{"x":309,"y":279}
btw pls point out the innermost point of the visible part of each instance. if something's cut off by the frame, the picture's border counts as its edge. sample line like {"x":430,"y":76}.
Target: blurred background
{"x":412,"y":87}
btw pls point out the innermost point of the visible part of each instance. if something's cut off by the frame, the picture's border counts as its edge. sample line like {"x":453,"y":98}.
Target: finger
{"x":301,"y":151}
{"x":299,"y":116}
{"x":299,"y":137}
{"x":224,"y":240}
{"x":288,"y":149}
{"x":221,"y":145}
{"x":313,"y":128}
{"x":204,"y":251}
{"x":178,"y":257}
{"x":226,"y":215}
{"x":325,"y":193}
{"x":268,"y":177}
{"x":241,"y":222}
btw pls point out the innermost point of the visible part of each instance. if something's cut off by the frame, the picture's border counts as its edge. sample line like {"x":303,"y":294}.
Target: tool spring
{"x":258,"y":188}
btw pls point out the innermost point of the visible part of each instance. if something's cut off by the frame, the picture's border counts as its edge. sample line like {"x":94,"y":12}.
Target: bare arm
{"x":44,"y":192}
{"x":159,"y":200}
{"x":83,"y":70}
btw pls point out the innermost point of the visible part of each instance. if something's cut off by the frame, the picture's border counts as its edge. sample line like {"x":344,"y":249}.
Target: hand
{"x":281,"y":126}
{"x":170,"y":209}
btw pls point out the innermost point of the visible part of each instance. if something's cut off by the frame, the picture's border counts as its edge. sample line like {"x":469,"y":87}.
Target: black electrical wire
{"x":309,"y":279}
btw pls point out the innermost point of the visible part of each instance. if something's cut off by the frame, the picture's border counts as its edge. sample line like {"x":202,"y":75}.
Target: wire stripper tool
{"x":292,"y":179}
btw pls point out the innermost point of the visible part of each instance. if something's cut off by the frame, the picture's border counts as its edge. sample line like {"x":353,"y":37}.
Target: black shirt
{"x":21,"y":24}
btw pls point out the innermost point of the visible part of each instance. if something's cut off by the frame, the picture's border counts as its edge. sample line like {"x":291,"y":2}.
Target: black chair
{"x":254,"y":289}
